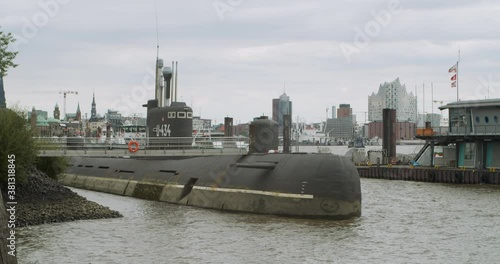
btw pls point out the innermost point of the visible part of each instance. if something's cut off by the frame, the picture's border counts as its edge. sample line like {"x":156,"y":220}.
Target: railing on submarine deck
{"x":476,"y":130}
{"x":62,"y":145}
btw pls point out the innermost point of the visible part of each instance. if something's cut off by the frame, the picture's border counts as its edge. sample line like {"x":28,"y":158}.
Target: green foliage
{"x":6,"y":57}
{"x":16,"y":139}
{"x":52,"y":166}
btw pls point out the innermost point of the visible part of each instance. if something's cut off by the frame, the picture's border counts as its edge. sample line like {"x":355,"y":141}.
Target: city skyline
{"x":327,"y":53}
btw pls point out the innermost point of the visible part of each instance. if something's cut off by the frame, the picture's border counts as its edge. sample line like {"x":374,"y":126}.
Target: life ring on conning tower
{"x":133,"y":143}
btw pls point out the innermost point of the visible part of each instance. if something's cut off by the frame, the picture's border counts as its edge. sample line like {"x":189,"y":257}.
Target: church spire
{"x":93,"y":112}
{"x":78,"y":113}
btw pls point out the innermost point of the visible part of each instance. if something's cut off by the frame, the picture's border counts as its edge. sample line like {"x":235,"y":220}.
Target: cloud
{"x":236,"y":66}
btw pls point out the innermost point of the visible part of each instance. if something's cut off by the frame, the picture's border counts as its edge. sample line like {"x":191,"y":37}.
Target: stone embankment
{"x":43,"y":200}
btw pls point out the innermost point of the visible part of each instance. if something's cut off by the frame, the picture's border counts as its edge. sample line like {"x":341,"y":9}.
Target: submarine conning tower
{"x":263,"y":135}
{"x":168,"y":122}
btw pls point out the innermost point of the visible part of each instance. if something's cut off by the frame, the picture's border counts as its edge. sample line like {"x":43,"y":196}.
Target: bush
{"x":16,"y":139}
{"x":52,"y":166}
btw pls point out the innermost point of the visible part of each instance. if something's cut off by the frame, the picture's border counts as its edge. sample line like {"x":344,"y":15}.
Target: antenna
{"x":158,"y":69}
{"x":157,"y":34}
{"x":175,"y":84}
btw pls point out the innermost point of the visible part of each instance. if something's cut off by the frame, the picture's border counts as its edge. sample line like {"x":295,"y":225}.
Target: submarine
{"x":262,"y":181}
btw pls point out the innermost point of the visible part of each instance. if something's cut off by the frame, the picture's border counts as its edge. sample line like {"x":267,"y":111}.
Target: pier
{"x":431,"y":174}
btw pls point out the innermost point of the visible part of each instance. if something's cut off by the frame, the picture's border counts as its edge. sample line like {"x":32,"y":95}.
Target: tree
{"x":15,"y":141}
{"x":6,"y":57}
{"x":6,"y":61}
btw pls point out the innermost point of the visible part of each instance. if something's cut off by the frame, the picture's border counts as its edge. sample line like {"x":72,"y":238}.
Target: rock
{"x":43,"y":200}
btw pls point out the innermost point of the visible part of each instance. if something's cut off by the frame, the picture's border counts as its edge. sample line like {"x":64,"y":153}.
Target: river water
{"x":401,"y":222}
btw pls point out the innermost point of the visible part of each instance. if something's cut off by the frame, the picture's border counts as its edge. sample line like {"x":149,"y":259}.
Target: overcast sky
{"x":236,"y":55}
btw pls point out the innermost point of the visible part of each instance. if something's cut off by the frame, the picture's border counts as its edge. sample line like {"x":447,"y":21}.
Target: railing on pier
{"x":476,"y":130}
{"x":152,"y":146}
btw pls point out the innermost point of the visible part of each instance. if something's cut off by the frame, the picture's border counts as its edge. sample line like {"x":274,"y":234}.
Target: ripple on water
{"x":401,"y":222}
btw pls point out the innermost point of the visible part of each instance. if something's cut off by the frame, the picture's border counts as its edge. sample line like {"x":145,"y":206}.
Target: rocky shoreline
{"x":43,"y":200}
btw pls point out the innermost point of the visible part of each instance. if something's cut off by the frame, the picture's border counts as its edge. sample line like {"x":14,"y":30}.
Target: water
{"x":401,"y":222}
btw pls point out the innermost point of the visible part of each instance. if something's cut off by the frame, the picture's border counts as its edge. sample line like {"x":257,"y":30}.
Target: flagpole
{"x":432,"y":102}
{"x":458,"y":98}
{"x":423,"y":103}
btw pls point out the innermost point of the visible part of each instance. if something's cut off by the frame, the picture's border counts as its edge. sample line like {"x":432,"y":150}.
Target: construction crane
{"x":65,"y":93}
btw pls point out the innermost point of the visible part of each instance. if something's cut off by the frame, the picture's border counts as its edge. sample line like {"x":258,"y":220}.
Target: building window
{"x":477,"y":119}
{"x":486,"y":120}
{"x":495,"y":119}
{"x":189,"y":115}
{"x":181,"y":114}
{"x":171,"y":114}
{"x":470,"y":151}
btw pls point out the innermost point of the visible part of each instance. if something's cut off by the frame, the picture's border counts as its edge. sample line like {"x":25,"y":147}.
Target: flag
{"x":454,"y":77}
{"x":453,"y":68}
{"x":454,"y":84}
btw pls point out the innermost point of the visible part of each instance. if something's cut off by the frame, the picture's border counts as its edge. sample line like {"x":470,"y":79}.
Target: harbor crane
{"x":65,"y":93}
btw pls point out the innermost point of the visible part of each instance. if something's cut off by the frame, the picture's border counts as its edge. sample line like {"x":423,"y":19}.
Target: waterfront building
{"x":114,"y":118}
{"x":281,"y":106}
{"x":96,"y":124}
{"x":200,"y":124}
{"x":471,"y":140}
{"x":341,"y":127}
{"x":43,"y":126}
{"x":40,"y":113}
{"x":242,"y":130}
{"x":344,"y":110}
{"x":393,"y":95}
{"x":70,"y":117}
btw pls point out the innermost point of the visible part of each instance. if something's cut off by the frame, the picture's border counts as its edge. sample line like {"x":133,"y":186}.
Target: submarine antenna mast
{"x":159,"y":65}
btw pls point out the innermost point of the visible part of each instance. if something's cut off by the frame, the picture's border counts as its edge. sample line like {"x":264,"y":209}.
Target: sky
{"x":235,"y":56}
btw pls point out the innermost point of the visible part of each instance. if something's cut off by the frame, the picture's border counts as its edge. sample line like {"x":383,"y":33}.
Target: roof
{"x":472,"y":103}
{"x":40,"y":121}
{"x":53,"y":120}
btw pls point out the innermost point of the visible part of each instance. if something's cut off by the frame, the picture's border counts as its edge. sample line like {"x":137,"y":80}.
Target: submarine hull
{"x":303,"y":185}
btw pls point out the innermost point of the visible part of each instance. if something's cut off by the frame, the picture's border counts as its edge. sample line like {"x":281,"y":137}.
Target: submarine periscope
{"x":261,"y":181}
